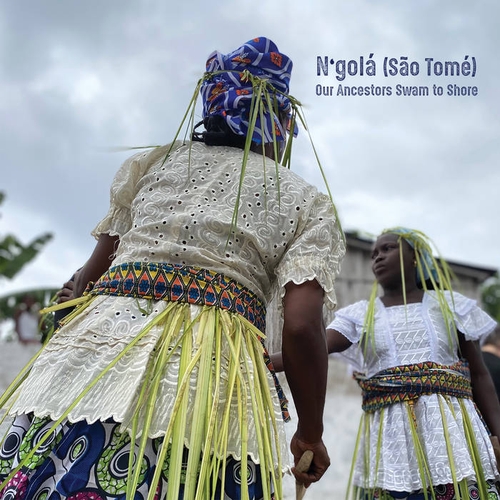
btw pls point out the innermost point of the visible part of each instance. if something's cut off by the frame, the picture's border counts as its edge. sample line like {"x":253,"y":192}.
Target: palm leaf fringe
{"x":263,"y":101}
{"x":476,"y":460}
{"x":449,"y":451}
{"x":354,"y":490}
{"x":63,"y":417}
{"x":200,"y":341}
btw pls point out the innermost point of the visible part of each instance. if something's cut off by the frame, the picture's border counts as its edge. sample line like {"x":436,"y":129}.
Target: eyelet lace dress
{"x":387,"y":453}
{"x":120,"y":350}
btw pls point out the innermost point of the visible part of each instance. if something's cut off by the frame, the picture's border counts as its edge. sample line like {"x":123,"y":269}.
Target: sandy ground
{"x":341,"y":420}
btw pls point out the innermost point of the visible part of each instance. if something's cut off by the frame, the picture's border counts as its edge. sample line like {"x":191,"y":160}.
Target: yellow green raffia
{"x":200,"y":341}
{"x":247,"y":373}
{"x":262,"y":102}
{"x":440,"y":279}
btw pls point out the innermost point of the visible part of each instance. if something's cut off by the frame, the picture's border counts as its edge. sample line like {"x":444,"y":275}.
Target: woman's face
{"x":386,"y":263}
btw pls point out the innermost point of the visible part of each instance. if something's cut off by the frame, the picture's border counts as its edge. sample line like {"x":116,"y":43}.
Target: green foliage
{"x":14,"y":255}
{"x":490,"y":296}
{"x":43,"y":297}
{"x":9,"y":303}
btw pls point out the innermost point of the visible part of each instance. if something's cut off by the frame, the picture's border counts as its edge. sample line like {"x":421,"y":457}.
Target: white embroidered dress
{"x":405,"y":335}
{"x":180,"y":211}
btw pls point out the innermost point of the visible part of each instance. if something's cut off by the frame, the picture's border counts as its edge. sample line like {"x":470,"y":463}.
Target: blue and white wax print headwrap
{"x":229,"y":91}
{"x":425,"y":262}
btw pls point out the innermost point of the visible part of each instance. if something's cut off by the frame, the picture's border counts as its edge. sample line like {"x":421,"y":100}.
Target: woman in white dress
{"x":428,"y":399}
{"x":156,"y":386}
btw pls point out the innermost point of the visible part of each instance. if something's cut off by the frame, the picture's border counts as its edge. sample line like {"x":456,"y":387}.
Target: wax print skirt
{"x":155,"y":387}
{"x":83,"y":461}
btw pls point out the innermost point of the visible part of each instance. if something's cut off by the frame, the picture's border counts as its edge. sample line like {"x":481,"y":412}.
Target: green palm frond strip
{"x":439,"y":284}
{"x":211,"y":434}
{"x":367,"y":454}
{"x":84,"y":392}
{"x":449,"y":450}
{"x":149,"y":390}
{"x":202,"y":401}
{"x":476,"y":459}
{"x":368,"y":335}
{"x":354,"y":490}
{"x":423,"y":466}
{"x":21,"y":376}
{"x":179,"y":417}
{"x":379,"y":442}
{"x":271,"y":418}
{"x":265,"y":452}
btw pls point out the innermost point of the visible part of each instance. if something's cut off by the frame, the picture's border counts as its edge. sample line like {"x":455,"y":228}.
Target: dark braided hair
{"x":217,"y":133}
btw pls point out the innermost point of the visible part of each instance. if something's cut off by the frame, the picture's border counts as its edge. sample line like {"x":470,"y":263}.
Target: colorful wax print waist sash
{"x":181,"y":283}
{"x":194,"y":285}
{"x":409,"y":382}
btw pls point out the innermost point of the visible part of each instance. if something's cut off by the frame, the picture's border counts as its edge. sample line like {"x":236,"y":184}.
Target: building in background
{"x":356,"y":278}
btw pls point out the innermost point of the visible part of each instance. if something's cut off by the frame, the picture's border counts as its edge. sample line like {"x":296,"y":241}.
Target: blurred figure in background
{"x":491,"y":356}
{"x":26,"y":320}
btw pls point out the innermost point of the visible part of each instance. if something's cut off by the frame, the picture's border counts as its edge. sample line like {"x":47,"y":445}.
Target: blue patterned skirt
{"x":82,"y":461}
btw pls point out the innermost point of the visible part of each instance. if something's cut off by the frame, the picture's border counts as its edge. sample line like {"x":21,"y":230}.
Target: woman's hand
{"x":66,"y":292}
{"x":320,"y":461}
{"x":98,"y":262}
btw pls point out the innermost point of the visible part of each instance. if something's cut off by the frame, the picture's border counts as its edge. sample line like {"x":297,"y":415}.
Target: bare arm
{"x":483,"y":388}
{"x":305,"y":361}
{"x":98,"y":263}
{"x":335,"y":341}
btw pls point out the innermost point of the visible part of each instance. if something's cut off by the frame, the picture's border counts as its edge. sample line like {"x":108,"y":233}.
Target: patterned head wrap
{"x":427,"y":265}
{"x":230,"y":86}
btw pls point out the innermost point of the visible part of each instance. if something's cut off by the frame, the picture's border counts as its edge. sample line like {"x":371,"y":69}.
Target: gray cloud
{"x":79,"y":79}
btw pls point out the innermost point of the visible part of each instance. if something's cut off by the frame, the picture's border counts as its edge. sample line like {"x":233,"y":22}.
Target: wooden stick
{"x":303,"y":466}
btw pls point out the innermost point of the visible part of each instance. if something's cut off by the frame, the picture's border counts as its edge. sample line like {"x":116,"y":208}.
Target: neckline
{"x":402,"y":305}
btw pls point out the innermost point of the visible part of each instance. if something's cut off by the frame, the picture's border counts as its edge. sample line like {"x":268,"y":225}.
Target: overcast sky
{"x":80,"y":79}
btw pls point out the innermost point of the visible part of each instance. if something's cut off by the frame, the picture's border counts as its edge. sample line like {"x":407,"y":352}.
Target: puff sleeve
{"x":470,"y":319}
{"x":349,"y":322}
{"x":316,"y":252}
{"x":122,"y":192}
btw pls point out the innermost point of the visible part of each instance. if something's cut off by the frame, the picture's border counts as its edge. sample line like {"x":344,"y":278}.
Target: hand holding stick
{"x":303,"y":466}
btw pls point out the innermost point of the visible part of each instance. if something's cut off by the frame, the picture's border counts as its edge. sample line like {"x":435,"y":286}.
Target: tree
{"x":14,"y":255}
{"x":10,"y":303}
{"x":490,"y":296}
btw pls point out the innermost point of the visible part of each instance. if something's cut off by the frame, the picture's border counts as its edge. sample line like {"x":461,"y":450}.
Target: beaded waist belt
{"x":194,"y":285}
{"x":408,"y":382}
{"x":181,"y":283}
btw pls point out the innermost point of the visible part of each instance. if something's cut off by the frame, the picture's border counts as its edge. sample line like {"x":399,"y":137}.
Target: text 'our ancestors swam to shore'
{"x":402,"y":68}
